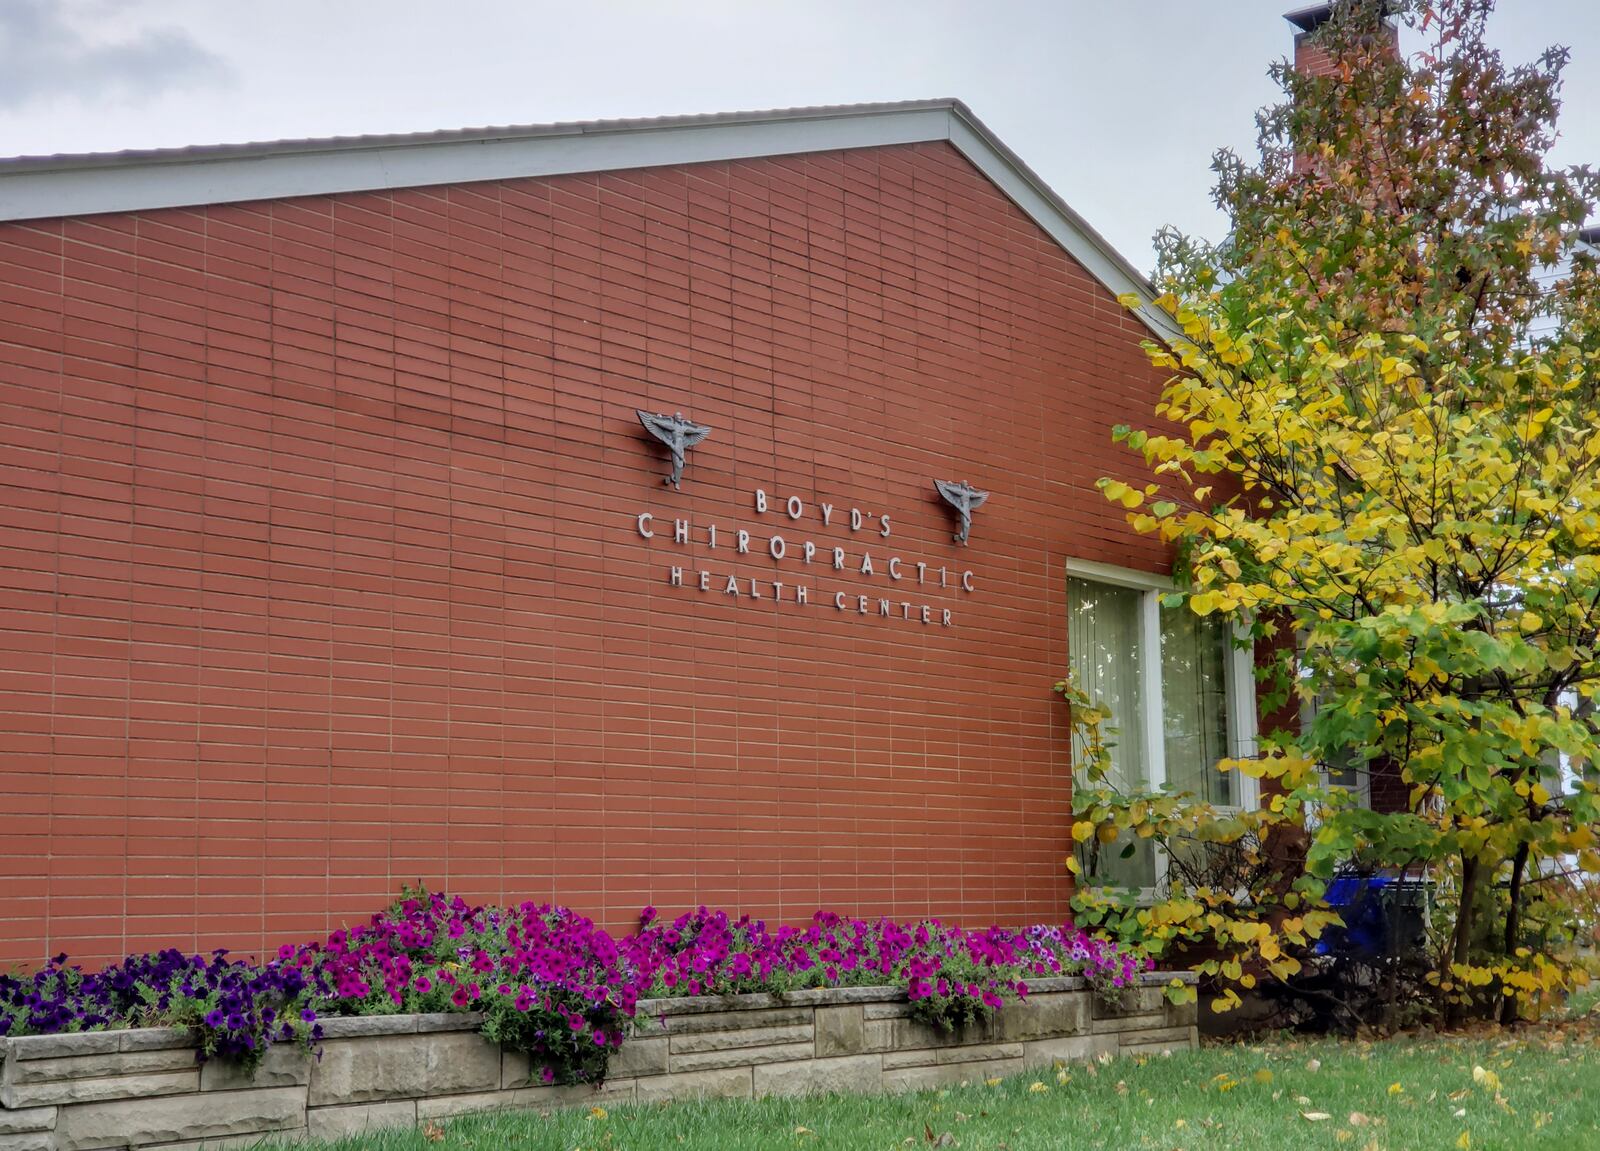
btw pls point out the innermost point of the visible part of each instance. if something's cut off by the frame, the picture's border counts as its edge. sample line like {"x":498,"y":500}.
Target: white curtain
{"x":1103,"y":641}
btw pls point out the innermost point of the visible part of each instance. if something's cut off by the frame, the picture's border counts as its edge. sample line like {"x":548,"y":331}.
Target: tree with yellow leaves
{"x":1379,"y":450}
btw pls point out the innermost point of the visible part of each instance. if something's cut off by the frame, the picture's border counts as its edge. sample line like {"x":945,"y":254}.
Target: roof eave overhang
{"x":57,"y":186}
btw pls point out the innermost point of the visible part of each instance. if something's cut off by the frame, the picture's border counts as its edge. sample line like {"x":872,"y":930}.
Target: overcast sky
{"x":1118,"y":104}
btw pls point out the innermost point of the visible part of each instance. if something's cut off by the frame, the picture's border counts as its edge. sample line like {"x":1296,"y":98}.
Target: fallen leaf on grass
{"x":1396,"y":1089}
{"x":1263,"y":1077}
{"x":1313,"y":1065}
{"x":1465,"y":1142}
{"x":597,"y":1112}
{"x":1316,"y":1116}
{"x":433,"y":1133}
{"x":1358,"y":1120}
{"x":804,"y":1131}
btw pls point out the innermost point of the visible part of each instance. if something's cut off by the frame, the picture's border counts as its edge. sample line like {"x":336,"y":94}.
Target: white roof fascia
{"x":50,"y":187}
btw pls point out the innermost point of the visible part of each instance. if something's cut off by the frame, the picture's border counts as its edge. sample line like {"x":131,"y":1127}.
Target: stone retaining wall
{"x":126,"y":1089}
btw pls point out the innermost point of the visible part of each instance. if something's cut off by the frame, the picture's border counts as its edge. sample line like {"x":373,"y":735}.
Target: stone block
{"x":28,"y":1141}
{"x":55,"y":1091}
{"x":740,"y":1056}
{"x":967,"y":1053}
{"x":28,"y":1119}
{"x":744,"y":1037}
{"x":995,"y":1067}
{"x":843,"y":1075}
{"x":1044,"y":1016}
{"x":337,"y":1122}
{"x":826,"y":996}
{"x":108,"y":1065}
{"x":284,"y":1065}
{"x":449,"y":1021}
{"x":155,"y":1039}
{"x":1116,"y":1023}
{"x":1156,"y":1039}
{"x":737,"y":1020}
{"x":1133,"y":1001}
{"x":141,"y":1122}
{"x":693,"y":1004}
{"x":515,"y":1070}
{"x":363,"y":1026}
{"x":838,"y":1031}
{"x":900,"y":1010}
{"x":514,"y":1066}
{"x":725,"y":1083}
{"x":404,"y":1066}
{"x":1048,"y":1052}
{"x":1181,"y":1014}
{"x":25,"y":1047}
{"x":911,"y":1035}
{"x":639,"y":1057}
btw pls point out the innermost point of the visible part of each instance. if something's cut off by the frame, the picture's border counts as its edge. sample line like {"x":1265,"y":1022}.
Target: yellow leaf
{"x":1530,"y":621}
{"x":1464,"y":1143}
{"x":1083,"y":830}
{"x":1395,"y":1089}
{"x":597,"y":1112}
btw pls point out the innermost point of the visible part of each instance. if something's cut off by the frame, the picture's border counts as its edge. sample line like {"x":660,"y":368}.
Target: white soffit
{"x":46,"y":187}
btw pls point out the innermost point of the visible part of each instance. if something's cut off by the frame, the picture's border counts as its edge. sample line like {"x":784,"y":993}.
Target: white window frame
{"x":1239,"y":685}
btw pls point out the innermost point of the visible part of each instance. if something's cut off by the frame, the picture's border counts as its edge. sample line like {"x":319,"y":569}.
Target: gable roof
{"x":41,"y":187}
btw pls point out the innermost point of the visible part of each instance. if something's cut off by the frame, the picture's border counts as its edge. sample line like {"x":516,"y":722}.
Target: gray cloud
{"x":45,"y":55}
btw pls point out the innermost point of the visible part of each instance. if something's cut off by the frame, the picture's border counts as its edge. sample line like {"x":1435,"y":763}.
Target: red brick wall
{"x":320,"y":570}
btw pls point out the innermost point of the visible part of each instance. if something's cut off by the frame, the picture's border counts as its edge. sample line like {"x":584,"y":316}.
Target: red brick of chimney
{"x":1309,"y":56}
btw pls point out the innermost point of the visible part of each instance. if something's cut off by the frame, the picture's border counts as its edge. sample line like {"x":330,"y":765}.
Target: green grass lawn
{"x":1397,"y":1095}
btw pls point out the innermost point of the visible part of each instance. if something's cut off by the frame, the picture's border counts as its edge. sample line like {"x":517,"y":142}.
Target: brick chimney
{"x":1386,"y":790}
{"x":1309,"y":57}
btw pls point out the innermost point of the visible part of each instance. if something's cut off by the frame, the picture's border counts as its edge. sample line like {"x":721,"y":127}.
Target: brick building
{"x":334,"y":555}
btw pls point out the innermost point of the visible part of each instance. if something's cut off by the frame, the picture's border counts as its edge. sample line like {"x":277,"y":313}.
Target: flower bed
{"x":141,"y":1088}
{"x":547,"y":982}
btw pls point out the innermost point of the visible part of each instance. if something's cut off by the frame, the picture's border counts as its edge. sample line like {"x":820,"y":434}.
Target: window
{"x":1195,"y":659}
{"x":1180,"y":693}
{"x":1105,"y":638}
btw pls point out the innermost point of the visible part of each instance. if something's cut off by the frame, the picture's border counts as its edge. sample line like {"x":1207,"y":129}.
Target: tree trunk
{"x":1462,"y":948}
{"x":1508,"y":1003}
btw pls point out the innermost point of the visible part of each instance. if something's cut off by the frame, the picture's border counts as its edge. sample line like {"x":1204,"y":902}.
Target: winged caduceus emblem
{"x":678,"y":434}
{"x":966,"y":499}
